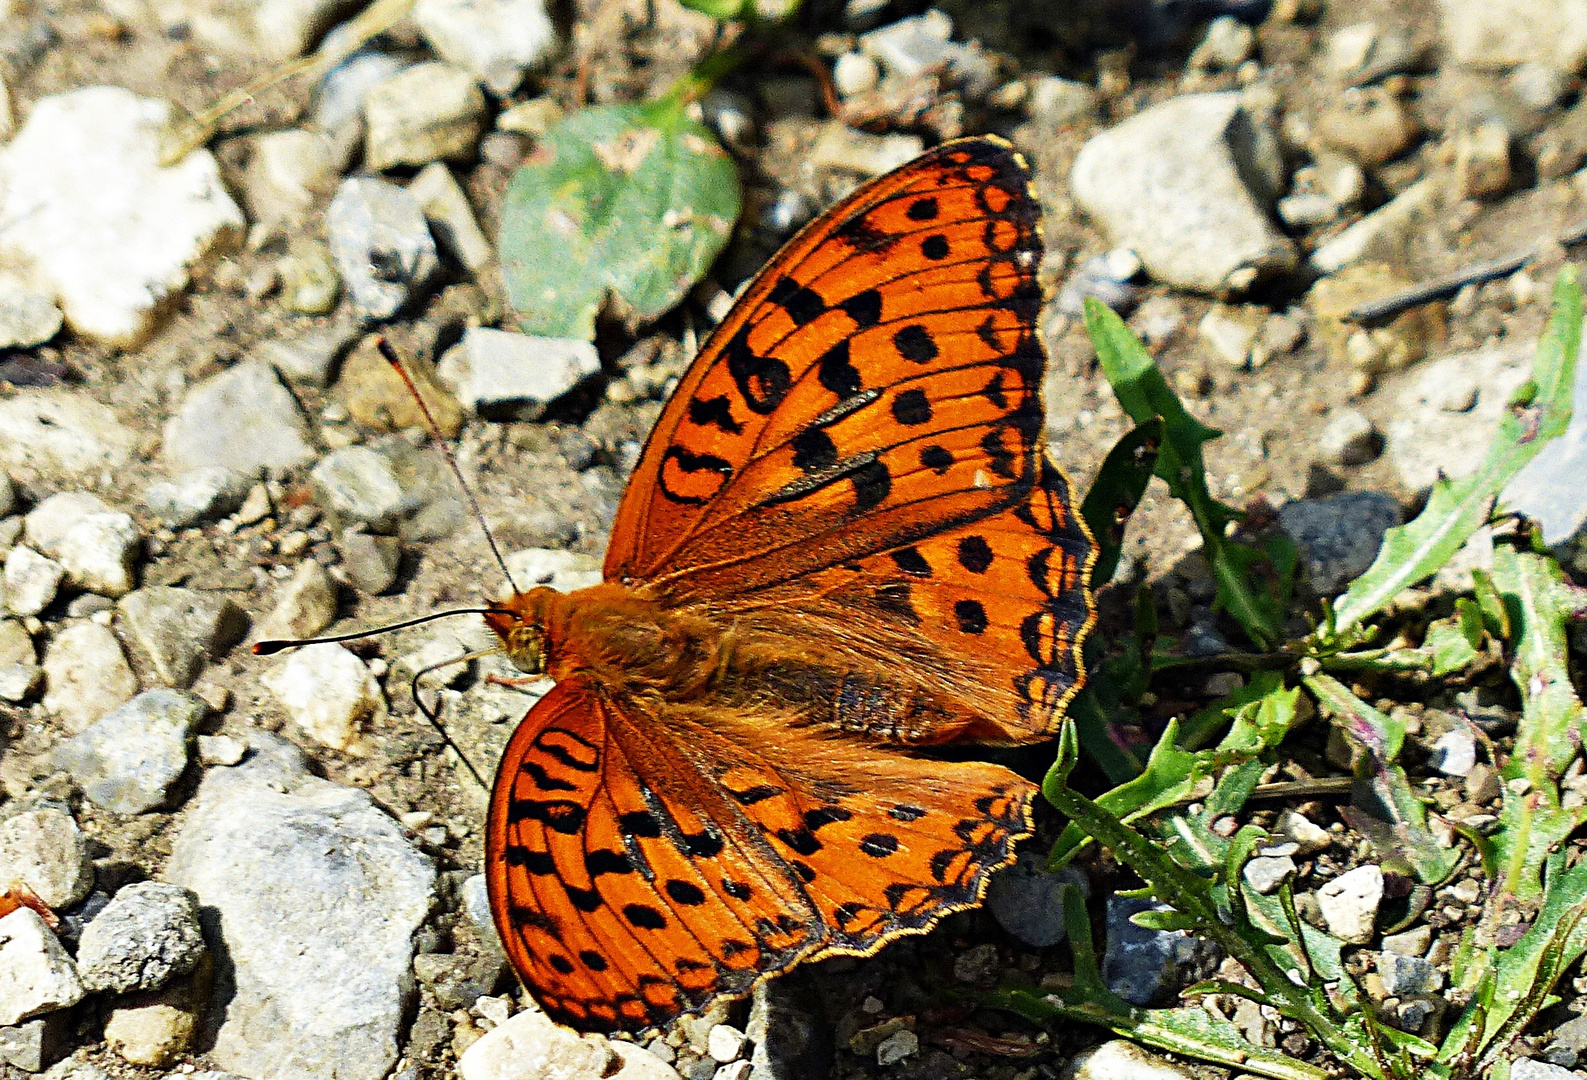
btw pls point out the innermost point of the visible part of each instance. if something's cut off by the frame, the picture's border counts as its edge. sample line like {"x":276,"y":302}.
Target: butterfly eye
{"x":526,"y":648}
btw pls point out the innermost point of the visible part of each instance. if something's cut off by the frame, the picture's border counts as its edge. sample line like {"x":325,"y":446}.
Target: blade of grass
{"x":1116,"y":492}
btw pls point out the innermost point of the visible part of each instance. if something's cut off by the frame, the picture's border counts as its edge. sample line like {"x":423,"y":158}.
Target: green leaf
{"x":1553,"y":722}
{"x":1458,"y":508}
{"x":1116,"y":492}
{"x":1144,"y":393}
{"x":620,"y":205}
{"x":1450,"y":646}
{"x":722,"y":9}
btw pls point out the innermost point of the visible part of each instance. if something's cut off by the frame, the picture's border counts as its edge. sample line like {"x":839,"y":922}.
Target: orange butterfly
{"x":844,"y":542}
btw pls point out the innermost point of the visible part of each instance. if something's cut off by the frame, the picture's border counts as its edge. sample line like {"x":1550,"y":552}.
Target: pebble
{"x":100,"y":552}
{"x":726,"y":1043}
{"x":1370,"y":124}
{"x":1425,"y":439}
{"x":18,"y":682}
{"x":178,"y":629}
{"x":46,"y":851}
{"x":146,"y":936}
{"x":221,"y":750}
{"x":1504,"y":33}
{"x":1482,"y":160}
{"x":1455,"y":752}
{"x":855,"y":73}
{"x":31,"y":580}
{"x":1532,"y":1069}
{"x":1169,"y":183}
{"x":1349,"y":439}
{"x":87,"y":675}
{"x":32,"y":1045}
{"x":1338,"y":535}
{"x":60,"y":430}
{"x":310,"y":358}
{"x":842,"y":148}
{"x":451,"y":217}
{"x":736,"y":1070}
{"x":127,"y":762}
{"x":1230,"y":333}
{"x":379,"y":400}
{"x":158,"y":1027}
{"x":1097,"y":278}
{"x":495,"y":40}
{"x":69,"y":177}
{"x":1308,"y":210}
{"x":207,"y":493}
{"x":330,"y":694}
{"x":1027,"y":901}
{"x":505,"y":375}
{"x":1349,"y":903}
{"x":1538,"y":86}
{"x":371,"y":562}
{"x":1266,"y":873}
{"x":534,"y":117}
{"x":1227,"y":44}
{"x":316,"y":897}
{"x":8,"y":496}
{"x":361,"y":484}
{"x":1549,"y":489}
{"x":476,"y":905}
{"x":339,"y":110}
{"x":1145,"y":966}
{"x":1380,"y":234}
{"x":28,"y":315}
{"x":897,"y":1046}
{"x":1406,"y":975}
{"x":243,"y":419}
{"x":1120,"y":1060}
{"x":36,"y":974}
{"x":428,"y":112}
{"x":304,"y":605}
{"x":1308,"y":837}
{"x":529,"y":1044}
{"x":1056,"y":102}
{"x":287,"y":173}
{"x":274,"y":29}
{"x":564,"y":571}
{"x":310,"y":284}
{"x":381,"y":243}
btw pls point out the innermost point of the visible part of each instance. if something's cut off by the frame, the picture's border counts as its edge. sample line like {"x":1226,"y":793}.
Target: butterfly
{"x":844,"y":544}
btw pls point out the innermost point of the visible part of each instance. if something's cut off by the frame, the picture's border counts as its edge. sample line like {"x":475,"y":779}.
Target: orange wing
{"x":855,"y":458}
{"x":642,"y":866}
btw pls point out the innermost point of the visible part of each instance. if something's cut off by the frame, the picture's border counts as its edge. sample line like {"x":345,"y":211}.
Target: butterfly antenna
{"x":272,"y":646}
{"x":434,"y":715}
{"x":435,"y":430}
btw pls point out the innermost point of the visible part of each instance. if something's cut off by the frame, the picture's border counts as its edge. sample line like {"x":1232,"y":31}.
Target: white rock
{"x":127,"y":762}
{"x":276,"y":29}
{"x":221,"y":750}
{"x":305,"y":605}
{"x":1348,"y":438}
{"x":911,"y":46}
{"x":725,"y":1043}
{"x":1532,"y":1069}
{"x":339,"y":110}
{"x":495,"y":371}
{"x":61,"y":429}
{"x":1308,"y":837}
{"x":362,"y":484}
{"x":842,"y":147}
{"x":87,"y":675}
{"x":1424,"y":438}
{"x":31,"y":580}
{"x":114,"y":233}
{"x":1120,"y":1060}
{"x":16,"y":644}
{"x":1057,"y":102}
{"x":207,"y":493}
{"x":496,"y":40}
{"x":28,"y":315}
{"x":373,"y":223}
{"x":18,"y":682}
{"x":243,"y":419}
{"x":897,"y":1046}
{"x":330,"y":694}
{"x":36,"y":975}
{"x":1381,"y":233}
{"x":47,"y":524}
{"x":100,"y":552}
{"x":564,"y":571}
{"x":46,"y":851}
{"x":529,"y":1044}
{"x":1349,"y":903}
{"x":855,"y":73}
{"x":287,"y":171}
{"x":429,"y":112}
{"x":1455,"y":752}
{"x":451,"y":216}
{"x":1504,"y":33}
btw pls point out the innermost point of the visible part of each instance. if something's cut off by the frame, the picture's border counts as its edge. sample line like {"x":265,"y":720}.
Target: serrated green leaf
{"x":620,"y":205}
{"x":1458,"y":508}
{"x":1117,"y":490}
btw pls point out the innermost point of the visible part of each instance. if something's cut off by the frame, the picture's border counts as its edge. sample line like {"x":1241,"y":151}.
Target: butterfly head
{"x":520,"y":622}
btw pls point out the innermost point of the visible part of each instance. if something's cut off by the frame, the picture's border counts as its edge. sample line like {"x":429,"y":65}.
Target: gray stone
{"x":503,"y":375}
{"x":361,"y":484}
{"x":16,"y":644}
{"x":1027,"y":900}
{"x":1097,"y":278}
{"x":304,"y":605}
{"x":127,"y":762}
{"x":1057,"y":102}
{"x":1504,"y":33}
{"x":100,"y":553}
{"x":1455,"y":752}
{"x":18,"y":682}
{"x":46,"y":851}
{"x":1120,"y":1060}
{"x":207,"y":493}
{"x":1427,"y":432}
{"x":311,"y":357}
{"x":48,"y":523}
{"x":1549,"y":489}
{"x":1406,"y":975}
{"x":61,"y":430}
{"x":87,"y":675}
{"x":1173,"y":183}
{"x":36,"y":974}
{"x":8,"y":496}
{"x":1349,"y":903}
{"x":381,"y":243}
{"x":178,"y":630}
{"x":273,"y":29}
{"x":371,"y":562}
{"x":31,"y":580}
{"x":243,"y":419}
{"x":429,"y":112}
{"x":1532,"y":1069}
{"x":1147,"y":966}
{"x":1338,"y":535}
{"x":287,"y":172}
{"x":1348,"y":439}
{"x":330,"y":694}
{"x":35,"y":1044}
{"x":339,"y":110}
{"x":1227,"y":44}
{"x":451,"y":216}
{"x":1382,"y":234}
{"x":310,"y":284}
{"x":28,"y":315}
{"x":317,"y":897}
{"x":145,"y":937}
{"x":854,"y":73}
{"x":68,"y":179}
{"x":496,"y":40}
{"x":564,"y":571}
{"x":1266,"y":873}
{"x":220,"y":750}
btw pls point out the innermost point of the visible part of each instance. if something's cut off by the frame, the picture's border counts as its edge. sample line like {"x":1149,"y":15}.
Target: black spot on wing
{"x":640,"y":823}
{"x":864,"y":308}
{"x":934,"y":247}
{"x":922,"y":210}
{"x":937,"y":459}
{"x":803,"y":304}
{"x":912,"y":408}
{"x":714,"y":412}
{"x":975,"y":554}
{"x":836,"y":373}
{"x":879,"y":845}
{"x":762,"y":381}
{"x":911,"y":561}
{"x":914,"y":343}
{"x":971,"y":616}
{"x":644,"y":917}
